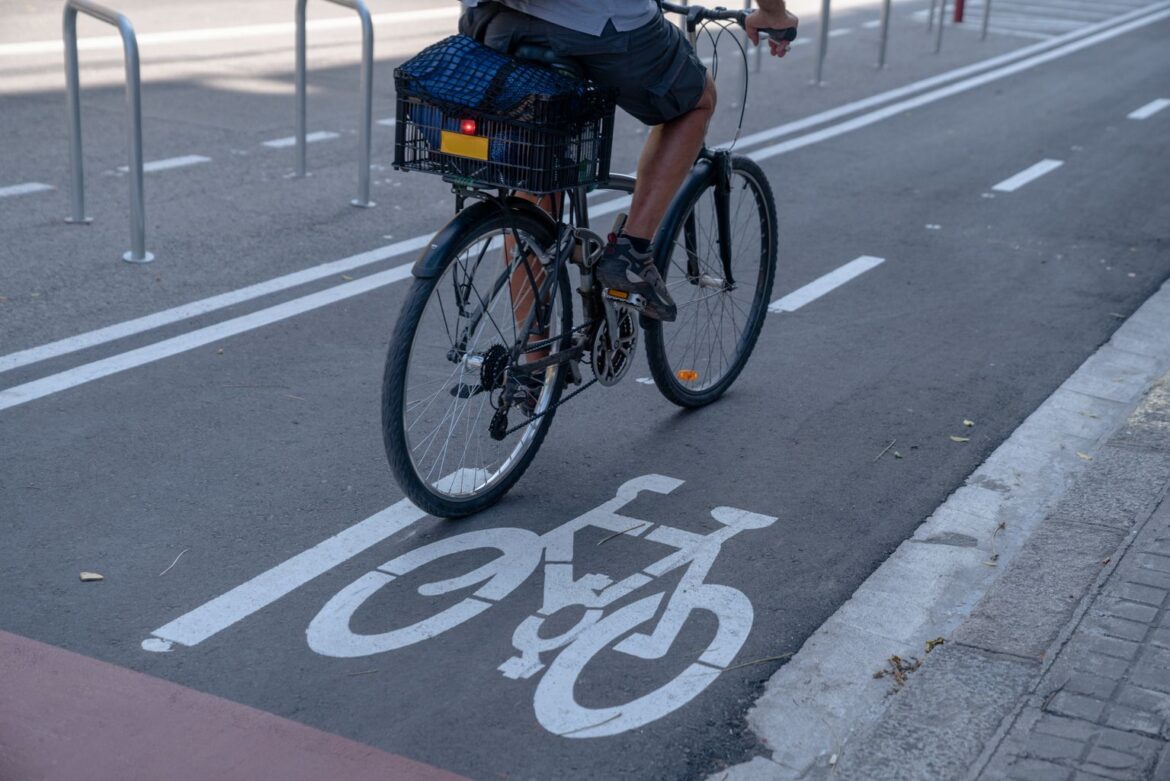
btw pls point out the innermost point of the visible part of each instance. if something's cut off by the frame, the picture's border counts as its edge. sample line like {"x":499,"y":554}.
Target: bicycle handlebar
{"x":697,"y":13}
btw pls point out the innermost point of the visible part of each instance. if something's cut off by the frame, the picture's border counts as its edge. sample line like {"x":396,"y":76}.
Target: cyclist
{"x":628,"y":46}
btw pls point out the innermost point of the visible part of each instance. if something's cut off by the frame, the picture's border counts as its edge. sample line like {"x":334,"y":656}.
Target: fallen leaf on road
{"x":897,"y":454}
{"x":346,"y":277}
{"x":87,"y":577}
{"x":968,"y":423}
{"x":1084,"y":456}
{"x":1106,"y":561}
{"x":993,"y":561}
{"x":960,"y":439}
{"x":932,"y":644}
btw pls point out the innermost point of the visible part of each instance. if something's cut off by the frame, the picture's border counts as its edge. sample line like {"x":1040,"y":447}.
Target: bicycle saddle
{"x":543,"y":55}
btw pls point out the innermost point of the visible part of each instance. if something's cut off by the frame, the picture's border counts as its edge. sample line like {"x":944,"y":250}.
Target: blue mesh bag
{"x":544,"y":131}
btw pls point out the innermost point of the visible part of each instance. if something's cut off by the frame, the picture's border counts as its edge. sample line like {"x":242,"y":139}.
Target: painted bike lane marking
{"x":825,"y":284}
{"x":1029,"y":174}
{"x":1149,"y":110}
{"x":661,"y":616}
{"x":27,"y":188}
{"x":168,"y":164}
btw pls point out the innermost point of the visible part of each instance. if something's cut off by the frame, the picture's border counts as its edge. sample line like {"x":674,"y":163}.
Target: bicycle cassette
{"x":612,"y":357}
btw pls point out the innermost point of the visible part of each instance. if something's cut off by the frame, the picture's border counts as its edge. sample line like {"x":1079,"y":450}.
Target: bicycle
{"x":478,"y":340}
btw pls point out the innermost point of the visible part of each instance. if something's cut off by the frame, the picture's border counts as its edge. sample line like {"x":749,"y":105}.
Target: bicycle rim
{"x":439,"y":401}
{"x":698,"y":356}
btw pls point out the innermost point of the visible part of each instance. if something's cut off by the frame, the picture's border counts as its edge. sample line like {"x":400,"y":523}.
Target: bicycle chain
{"x":550,"y":409}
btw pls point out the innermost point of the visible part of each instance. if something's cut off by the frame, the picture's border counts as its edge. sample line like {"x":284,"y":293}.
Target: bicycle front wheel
{"x":454,"y":356}
{"x":721,"y":308}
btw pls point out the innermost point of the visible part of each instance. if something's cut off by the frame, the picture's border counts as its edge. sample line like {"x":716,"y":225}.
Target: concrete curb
{"x":1082,"y":446}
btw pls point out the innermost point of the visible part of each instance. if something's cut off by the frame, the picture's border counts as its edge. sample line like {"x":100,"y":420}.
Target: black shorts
{"x":653,"y":68}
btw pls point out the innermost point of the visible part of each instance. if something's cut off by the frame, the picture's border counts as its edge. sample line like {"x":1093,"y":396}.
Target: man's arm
{"x":771,"y":15}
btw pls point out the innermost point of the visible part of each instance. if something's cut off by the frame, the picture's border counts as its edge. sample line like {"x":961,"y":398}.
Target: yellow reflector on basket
{"x":687,"y":375}
{"x":475,"y":147}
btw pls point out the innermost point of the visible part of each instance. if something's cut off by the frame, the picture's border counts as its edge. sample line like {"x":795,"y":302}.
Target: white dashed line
{"x":320,"y":135}
{"x":826,"y":284}
{"x":28,"y":188}
{"x":1032,"y":173}
{"x":872,"y":24}
{"x":645,"y":380}
{"x":389,"y":122}
{"x":1150,"y":109}
{"x":839,"y":33}
{"x":169,"y":163}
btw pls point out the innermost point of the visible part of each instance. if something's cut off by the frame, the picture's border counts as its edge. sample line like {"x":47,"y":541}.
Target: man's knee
{"x":708,"y":98}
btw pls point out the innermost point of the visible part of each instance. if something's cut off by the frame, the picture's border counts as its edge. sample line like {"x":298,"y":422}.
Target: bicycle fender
{"x":432,"y":261}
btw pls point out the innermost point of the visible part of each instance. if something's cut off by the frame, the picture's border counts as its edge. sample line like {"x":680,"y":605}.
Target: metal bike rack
{"x":986,"y":19}
{"x":881,"y":63}
{"x":942,"y":16}
{"x":137,"y":253}
{"x":823,"y":41}
{"x":366,"y":87}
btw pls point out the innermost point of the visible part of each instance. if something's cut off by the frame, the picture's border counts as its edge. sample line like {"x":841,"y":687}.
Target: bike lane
{"x":249,"y":457}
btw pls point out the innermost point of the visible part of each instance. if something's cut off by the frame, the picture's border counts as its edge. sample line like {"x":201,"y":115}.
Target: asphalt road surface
{"x":222,"y":467}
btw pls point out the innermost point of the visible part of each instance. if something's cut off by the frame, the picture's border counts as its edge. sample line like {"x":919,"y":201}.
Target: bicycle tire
{"x":757,"y":265}
{"x":469,"y":230}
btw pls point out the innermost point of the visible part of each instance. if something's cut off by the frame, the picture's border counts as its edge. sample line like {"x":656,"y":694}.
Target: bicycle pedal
{"x":622,"y":298}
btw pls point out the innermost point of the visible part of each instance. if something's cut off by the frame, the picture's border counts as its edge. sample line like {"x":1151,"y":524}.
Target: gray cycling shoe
{"x":630,"y":277}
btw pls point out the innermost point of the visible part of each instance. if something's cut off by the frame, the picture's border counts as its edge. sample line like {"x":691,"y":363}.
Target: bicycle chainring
{"x":612,"y":358}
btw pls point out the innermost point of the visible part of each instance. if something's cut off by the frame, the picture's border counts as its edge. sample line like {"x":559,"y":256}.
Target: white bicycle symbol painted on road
{"x":522,"y":551}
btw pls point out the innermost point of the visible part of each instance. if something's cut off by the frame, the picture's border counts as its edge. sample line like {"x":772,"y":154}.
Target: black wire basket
{"x":480,"y":118}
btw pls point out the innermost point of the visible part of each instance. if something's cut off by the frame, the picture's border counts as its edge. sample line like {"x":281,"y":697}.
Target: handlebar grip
{"x":787,"y":34}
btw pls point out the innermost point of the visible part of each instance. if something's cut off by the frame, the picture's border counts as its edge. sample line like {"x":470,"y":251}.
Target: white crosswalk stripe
{"x":1038,"y":19}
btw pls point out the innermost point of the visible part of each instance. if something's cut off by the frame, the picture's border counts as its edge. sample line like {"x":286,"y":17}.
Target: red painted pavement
{"x":66,"y":716}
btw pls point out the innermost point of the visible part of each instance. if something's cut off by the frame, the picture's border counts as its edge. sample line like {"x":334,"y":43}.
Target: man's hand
{"x":770,"y":19}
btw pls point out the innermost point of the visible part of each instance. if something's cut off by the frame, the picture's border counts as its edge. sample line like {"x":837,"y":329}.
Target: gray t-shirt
{"x":586,"y":16}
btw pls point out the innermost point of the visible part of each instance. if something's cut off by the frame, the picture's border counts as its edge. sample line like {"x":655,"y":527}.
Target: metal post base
{"x":129,"y":258}
{"x":358,"y":202}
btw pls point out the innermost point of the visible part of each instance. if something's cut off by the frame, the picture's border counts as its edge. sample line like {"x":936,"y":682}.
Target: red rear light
{"x":467,"y":127}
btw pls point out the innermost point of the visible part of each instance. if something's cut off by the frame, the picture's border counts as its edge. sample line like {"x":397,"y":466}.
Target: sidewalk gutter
{"x":999,"y":570}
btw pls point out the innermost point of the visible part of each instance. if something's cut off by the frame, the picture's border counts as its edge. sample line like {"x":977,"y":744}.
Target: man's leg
{"x":666,"y":159}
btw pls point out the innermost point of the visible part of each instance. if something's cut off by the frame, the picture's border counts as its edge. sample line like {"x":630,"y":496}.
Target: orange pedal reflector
{"x":687,"y":375}
{"x":623,"y":295}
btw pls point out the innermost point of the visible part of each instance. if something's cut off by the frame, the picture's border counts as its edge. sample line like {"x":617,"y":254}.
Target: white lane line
{"x":1150,"y":109}
{"x":388,"y":122}
{"x":839,"y":33}
{"x":826,"y":284}
{"x":217,"y":615}
{"x":1079,"y":42}
{"x":1029,"y":174}
{"x":206,"y":305}
{"x":872,"y":24}
{"x":109,"y":333}
{"x":71,"y":378}
{"x":169,"y":163}
{"x":225,"y":33}
{"x":923,"y":84}
{"x":320,"y":135}
{"x":28,"y":188}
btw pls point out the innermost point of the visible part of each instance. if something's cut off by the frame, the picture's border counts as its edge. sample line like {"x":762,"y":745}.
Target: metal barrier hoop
{"x":137,"y":253}
{"x":366,"y":87}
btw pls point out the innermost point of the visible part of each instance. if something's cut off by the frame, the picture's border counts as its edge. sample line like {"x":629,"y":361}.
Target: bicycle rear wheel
{"x":451,"y":361}
{"x":695,"y":359}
